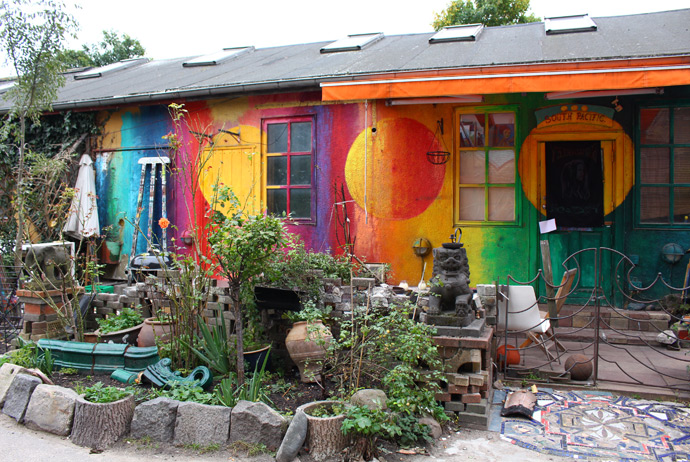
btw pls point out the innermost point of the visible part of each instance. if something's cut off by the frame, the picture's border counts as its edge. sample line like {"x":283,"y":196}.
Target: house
{"x":490,"y":129}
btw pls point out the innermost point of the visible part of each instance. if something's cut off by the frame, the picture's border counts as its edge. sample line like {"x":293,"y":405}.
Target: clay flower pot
{"x":325,"y":439}
{"x":306,"y":343}
{"x":129,"y":336}
{"x":152,"y":329}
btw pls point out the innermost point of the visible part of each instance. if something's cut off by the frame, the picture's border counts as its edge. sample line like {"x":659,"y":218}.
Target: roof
{"x":304,"y":66}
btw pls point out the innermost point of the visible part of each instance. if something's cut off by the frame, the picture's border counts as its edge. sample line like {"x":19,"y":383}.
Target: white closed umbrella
{"x":83,"y":213}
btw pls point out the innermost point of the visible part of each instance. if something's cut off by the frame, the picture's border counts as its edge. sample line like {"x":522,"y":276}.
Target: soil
{"x":286,"y":398}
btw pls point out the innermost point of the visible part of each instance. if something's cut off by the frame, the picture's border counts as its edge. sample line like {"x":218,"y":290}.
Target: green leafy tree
{"x":111,"y":49}
{"x":487,"y":12}
{"x":244,"y":245}
{"x":32,"y":36}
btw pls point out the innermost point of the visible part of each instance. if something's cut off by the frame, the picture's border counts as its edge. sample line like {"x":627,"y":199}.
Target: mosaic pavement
{"x":585,"y":425}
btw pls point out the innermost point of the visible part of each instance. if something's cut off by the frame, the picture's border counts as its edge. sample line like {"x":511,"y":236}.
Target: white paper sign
{"x":547,"y":226}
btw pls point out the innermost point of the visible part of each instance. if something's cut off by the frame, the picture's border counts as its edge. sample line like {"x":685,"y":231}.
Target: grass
{"x":250,"y":449}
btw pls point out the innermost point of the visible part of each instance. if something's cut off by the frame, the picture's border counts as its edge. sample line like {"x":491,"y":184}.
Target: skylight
{"x":217,"y":57}
{"x":567,"y":24}
{"x":4,"y":86}
{"x":99,"y":71}
{"x":462,"y":33}
{"x":352,"y":42}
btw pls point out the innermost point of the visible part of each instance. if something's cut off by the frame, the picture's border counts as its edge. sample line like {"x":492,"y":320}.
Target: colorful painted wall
{"x":376,"y":152}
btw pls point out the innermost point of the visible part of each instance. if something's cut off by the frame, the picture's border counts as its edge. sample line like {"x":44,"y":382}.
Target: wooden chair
{"x":540,"y":338}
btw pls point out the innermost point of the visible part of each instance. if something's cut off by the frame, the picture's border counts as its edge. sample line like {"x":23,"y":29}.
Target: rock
{"x":667,"y":337}
{"x":7,"y":373}
{"x":293,"y":439}
{"x":155,"y":419}
{"x":435,"y":430}
{"x":371,"y":398}
{"x":18,"y":396}
{"x":257,"y":423}
{"x":201,"y":424}
{"x":51,"y":409}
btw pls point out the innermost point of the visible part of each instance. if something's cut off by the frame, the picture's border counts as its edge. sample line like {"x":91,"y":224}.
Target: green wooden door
{"x":574,"y":197}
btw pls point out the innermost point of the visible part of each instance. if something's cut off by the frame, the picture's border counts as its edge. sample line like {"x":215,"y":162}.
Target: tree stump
{"x":98,"y":425}
{"x":324,"y":437}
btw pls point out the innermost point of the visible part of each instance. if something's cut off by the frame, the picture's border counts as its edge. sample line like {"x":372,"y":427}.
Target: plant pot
{"x":324,"y":437}
{"x":99,"y":425}
{"x":129,"y":336}
{"x":307,"y":343}
{"x":90,"y":337}
{"x":152,"y":329}
{"x":255,"y":358}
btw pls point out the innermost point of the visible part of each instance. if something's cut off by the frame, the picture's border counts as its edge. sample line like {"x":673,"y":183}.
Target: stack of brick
{"x":487,"y":297}
{"x":40,"y":318}
{"x":468,"y":372}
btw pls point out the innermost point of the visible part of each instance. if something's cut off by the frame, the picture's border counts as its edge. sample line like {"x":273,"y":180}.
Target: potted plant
{"x":157,"y":327}
{"x":325,"y":419}
{"x":123,"y":327}
{"x":307,"y":341}
{"x":101,"y":416}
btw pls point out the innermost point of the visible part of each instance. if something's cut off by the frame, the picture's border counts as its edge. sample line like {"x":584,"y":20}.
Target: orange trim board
{"x":568,"y":80}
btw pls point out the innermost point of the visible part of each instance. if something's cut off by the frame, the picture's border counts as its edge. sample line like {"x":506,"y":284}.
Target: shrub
{"x":124,"y":320}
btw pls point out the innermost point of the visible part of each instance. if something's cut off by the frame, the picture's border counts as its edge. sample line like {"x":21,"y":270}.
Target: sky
{"x":177,"y":28}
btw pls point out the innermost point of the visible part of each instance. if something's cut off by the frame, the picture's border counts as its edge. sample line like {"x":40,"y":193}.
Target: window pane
{"x":472,"y":167}
{"x":300,"y":137}
{"x":300,"y":170}
{"x":276,"y":138}
{"x":681,"y":125}
{"x":654,"y":205}
{"x":300,"y":203}
{"x":654,"y":126}
{"x":681,"y":205}
{"x":501,"y":204}
{"x":276,"y":170}
{"x":654,"y":165}
{"x":501,"y":167}
{"x":277,"y":201}
{"x":681,"y":165}
{"x":472,"y":130}
{"x":471,"y":204}
{"x":502,"y":129}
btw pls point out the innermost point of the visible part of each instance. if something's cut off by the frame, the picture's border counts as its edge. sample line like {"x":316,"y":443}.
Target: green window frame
{"x":486,"y":174}
{"x":290,"y":154}
{"x":662,"y":167}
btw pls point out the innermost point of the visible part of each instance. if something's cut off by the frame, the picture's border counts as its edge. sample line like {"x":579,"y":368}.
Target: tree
{"x":32,"y":34}
{"x":487,"y":12}
{"x":111,"y":49}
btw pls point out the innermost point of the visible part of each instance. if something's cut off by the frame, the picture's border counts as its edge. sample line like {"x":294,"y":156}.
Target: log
{"x":99,"y":425}
{"x":325,"y":439}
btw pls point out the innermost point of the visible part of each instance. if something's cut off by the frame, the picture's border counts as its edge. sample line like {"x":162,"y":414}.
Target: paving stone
{"x":257,"y":423}
{"x":155,"y":419}
{"x":477,"y":408}
{"x":454,"y":406}
{"x":18,"y":396}
{"x":51,"y":409}
{"x":294,"y":438}
{"x":201,"y":424}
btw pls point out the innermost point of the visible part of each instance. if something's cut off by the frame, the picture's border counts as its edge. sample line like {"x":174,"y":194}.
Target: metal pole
{"x":164,"y":208}
{"x":152,"y":194}
{"x":140,"y":199}
{"x":597,"y":261}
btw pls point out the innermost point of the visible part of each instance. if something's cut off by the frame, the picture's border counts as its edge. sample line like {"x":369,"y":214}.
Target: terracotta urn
{"x":152,"y":329}
{"x":307,"y":343}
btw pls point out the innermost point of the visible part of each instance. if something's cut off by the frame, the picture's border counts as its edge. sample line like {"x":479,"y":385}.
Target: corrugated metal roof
{"x":304,"y":66}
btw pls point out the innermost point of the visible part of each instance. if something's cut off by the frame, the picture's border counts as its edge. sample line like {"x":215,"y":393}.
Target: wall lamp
{"x":672,"y":253}
{"x":187,"y":237}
